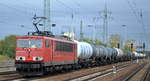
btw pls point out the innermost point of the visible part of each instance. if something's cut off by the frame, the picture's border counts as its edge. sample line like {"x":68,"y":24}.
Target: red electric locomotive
{"x":40,"y":51}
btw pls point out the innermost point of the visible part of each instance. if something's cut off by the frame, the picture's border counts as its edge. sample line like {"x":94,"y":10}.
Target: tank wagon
{"x":138,"y":55}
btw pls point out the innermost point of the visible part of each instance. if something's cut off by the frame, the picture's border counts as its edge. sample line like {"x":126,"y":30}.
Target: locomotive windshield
{"x":29,"y":43}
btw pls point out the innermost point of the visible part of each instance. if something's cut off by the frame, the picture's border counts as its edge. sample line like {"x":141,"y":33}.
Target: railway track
{"x":146,"y":76}
{"x":9,"y":76}
{"x":84,"y":77}
{"x":66,"y":76}
{"x":7,"y":70}
{"x":132,"y":74}
{"x":94,"y":75}
{"x":7,"y":73}
{"x":7,"y":66}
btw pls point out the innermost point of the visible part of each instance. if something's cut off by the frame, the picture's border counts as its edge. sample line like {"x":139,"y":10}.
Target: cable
{"x":27,"y":5}
{"x":66,"y":6}
{"x":138,"y":15}
{"x":133,"y":10}
{"x":78,"y":5}
{"x":19,"y":10}
{"x":5,"y":23}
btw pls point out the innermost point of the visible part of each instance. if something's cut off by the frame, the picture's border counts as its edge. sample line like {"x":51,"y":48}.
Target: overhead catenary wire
{"x":133,"y":10}
{"x":62,"y":3}
{"x":73,"y":11}
{"x":19,"y":11}
{"x":139,"y":16}
{"x":79,"y":5}
{"x":137,"y":13}
{"x":29,"y":6}
{"x":143,"y":25}
{"x":5,"y":23}
{"x":16,"y":9}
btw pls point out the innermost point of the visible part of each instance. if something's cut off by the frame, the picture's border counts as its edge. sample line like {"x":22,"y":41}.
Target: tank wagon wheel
{"x":108,"y":60}
{"x":104,"y":61}
{"x":112,"y":60}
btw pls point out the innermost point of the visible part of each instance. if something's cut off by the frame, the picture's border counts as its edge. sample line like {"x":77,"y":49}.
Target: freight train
{"x":41,"y":52}
{"x":36,"y":55}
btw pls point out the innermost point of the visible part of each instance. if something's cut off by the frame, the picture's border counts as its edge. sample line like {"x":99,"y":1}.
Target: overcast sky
{"x":14,"y":13}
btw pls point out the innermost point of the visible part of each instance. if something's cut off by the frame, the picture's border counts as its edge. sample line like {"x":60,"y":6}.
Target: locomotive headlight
{"x":20,"y":58}
{"x":37,"y":58}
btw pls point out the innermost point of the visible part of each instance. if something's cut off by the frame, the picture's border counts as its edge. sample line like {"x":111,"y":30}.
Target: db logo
{"x":27,"y":49}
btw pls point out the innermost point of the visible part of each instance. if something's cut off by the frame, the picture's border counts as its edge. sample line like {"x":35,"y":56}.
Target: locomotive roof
{"x":44,"y":37}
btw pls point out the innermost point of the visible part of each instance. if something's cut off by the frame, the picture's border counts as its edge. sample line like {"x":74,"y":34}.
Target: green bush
{"x":8,"y":45}
{"x":1,"y":52}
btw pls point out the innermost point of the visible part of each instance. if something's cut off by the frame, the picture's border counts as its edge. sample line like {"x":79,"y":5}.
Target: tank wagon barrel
{"x":84,"y":50}
{"x":88,"y":51}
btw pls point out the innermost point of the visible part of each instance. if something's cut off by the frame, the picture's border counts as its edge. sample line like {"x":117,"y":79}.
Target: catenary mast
{"x":47,"y":26}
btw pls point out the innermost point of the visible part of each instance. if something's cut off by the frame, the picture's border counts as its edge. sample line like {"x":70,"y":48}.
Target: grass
{"x":2,"y":58}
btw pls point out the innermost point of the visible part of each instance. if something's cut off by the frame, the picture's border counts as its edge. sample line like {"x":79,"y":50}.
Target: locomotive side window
{"x":29,"y":43}
{"x":61,"y":46}
{"x":47,"y":44}
{"x":58,"y":46}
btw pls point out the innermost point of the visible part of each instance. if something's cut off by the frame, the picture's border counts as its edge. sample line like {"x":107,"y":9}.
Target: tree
{"x":8,"y":45}
{"x":127,"y":45}
{"x":97,"y":42}
{"x":1,"y":47}
{"x":86,"y":40}
{"x":114,"y":40}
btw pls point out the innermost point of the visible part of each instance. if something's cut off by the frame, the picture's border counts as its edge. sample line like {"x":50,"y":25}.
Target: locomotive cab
{"x":31,"y":52}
